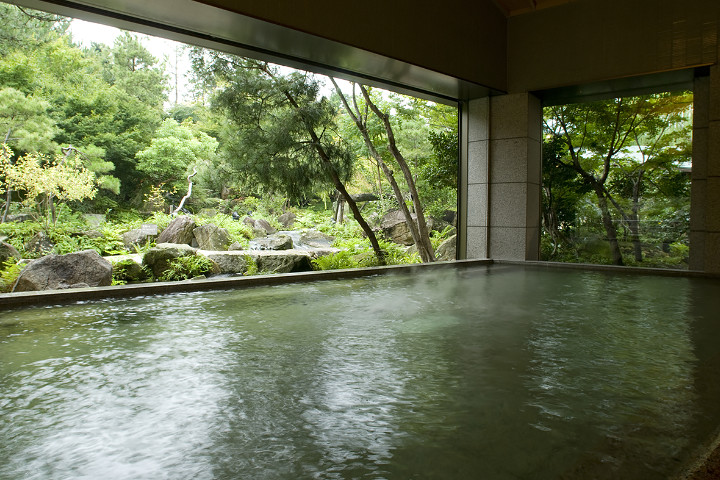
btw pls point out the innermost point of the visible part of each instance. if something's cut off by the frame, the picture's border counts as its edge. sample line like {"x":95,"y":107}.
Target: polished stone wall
{"x":705,"y":189}
{"x":503,"y":167}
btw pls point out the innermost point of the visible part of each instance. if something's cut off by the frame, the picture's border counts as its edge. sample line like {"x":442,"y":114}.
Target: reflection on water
{"x":497,"y":373}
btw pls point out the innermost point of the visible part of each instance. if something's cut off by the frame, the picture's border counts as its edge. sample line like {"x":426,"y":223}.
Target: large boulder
{"x":179,"y":231}
{"x":80,"y":269}
{"x":7,"y":252}
{"x":286,"y":261}
{"x":447,"y":249}
{"x":396,"y":229}
{"x":287,"y":219}
{"x":316,"y":239}
{"x":212,"y":237}
{"x":228,"y":262}
{"x":127,"y":267}
{"x":147,"y":233}
{"x":274,"y":242}
{"x":159,"y":257}
{"x":260,"y":225}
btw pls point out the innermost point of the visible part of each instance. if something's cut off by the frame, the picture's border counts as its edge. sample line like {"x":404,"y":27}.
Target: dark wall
{"x":595,"y":40}
{"x":462,"y":38}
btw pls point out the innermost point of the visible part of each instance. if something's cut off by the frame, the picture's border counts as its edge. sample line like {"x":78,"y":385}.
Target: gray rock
{"x":212,"y":237}
{"x":179,"y":231}
{"x":129,"y":268}
{"x":7,"y":251}
{"x":86,"y":268}
{"x":447,"y":249}
{"x":264,"y":225}
{"x":287,"y":219}
{"x":364,"y":197}
{"x":284,"y":261}
{"x":147,"y":233}
{"x":395,"y":227}
{"x":88,"y":234}
{"x":315,"y":239}
{"x":274,"y":242}
{"x":260,"y":225}
{"x":40,"y":243}
{"x":159,"y":257}
{"x":236,"y":246}
{"x":228,"y":262}
{"x":19,"y":217}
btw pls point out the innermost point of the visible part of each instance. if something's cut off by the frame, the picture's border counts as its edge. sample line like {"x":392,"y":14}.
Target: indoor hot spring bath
{"x":493,"y":372}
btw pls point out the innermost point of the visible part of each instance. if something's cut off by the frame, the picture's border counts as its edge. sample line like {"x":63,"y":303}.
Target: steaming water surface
{"x":499,"y":373}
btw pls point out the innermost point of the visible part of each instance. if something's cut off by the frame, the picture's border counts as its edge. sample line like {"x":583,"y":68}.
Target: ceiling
{"x":519,"y":7}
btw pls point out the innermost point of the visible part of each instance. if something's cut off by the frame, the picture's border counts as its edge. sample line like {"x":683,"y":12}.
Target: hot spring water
{"x":494,"y":373}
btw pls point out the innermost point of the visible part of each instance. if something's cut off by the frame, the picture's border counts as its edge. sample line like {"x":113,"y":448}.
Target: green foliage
{"x":46,"y":181}
{"x":438,"y":237}
{"x":19,"y":233}
{"x":25,"y":122}
{"x":442,"y":168}
{"x":356,"y":252}
{"x":23,"y":27}
{"x":11,"y":270}
{"x":187,"y":267}
{"x":136,"y":71}
{"x":267,"y":138}
{"x":336,"y":261}
{"x":612,"y":169}
{"x":238,"y":231}
{"x":127,"y":271}
{"x":251,"y":266}
{"x":176,"y":149}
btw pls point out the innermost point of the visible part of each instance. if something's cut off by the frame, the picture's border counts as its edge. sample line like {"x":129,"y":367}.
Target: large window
{"x":135,"y":131}
{"x":616,"y":181}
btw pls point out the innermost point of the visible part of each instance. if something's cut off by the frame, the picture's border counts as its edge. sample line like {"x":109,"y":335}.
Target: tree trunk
{"x":189,"y":192}
{"x":550,"y":220}
{"x":634,"y":223}
{"x":424,"y":245}
{"x":339,"y":186}
{"x":610,"y":229}
{"x":425,"y":254}
{"x":8,"y":194}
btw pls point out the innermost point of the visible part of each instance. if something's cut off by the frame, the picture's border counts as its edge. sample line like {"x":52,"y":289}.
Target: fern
{"x":184,"y":268}
{"x":10,"y":272}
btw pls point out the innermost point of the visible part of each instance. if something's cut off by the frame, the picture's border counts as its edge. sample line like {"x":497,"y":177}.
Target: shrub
{"x":334,"y":261}
{"x":252,"y":266}
{"x":128,"y":271}
{"x":184,"y":268}
{"x":8,"y":275}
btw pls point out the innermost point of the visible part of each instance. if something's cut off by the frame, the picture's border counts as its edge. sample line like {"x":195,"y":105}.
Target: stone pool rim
{"x":75,"y":295}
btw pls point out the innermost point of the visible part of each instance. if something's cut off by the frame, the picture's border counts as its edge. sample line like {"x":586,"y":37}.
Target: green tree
{"x":280,"y":133}
{"x":418,"y":228}
{"x":45,"y":181}
{"x":25,"y":27}
{"x":136,"y":71}
{"x":176,"y":149}
{"x":614,"y":146}
{"x":25,"y":122}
